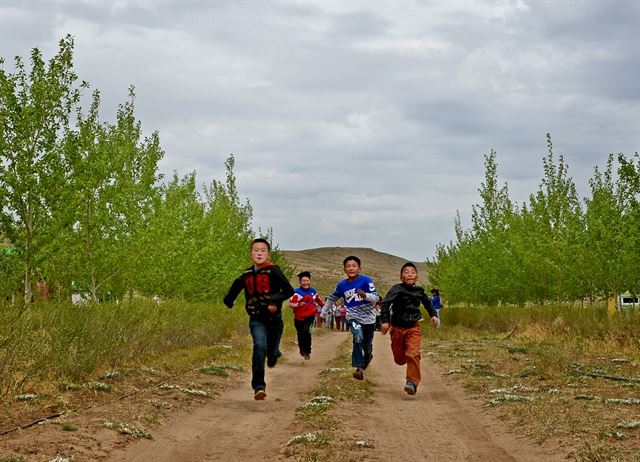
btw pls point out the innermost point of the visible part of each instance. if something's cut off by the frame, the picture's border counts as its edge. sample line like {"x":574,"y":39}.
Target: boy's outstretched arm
{"x":235,"y":289}
{"x":385,"y":313}
{"x":329,"y":302}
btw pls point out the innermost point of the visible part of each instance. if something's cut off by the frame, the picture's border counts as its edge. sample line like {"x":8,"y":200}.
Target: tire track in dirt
{"x":235,"y":427}
{"x":440,"y":423}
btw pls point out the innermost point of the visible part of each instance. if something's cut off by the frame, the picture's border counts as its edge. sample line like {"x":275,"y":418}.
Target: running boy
{"x":360,"y":296}
{"x":265,"y":288}
{"x":401,"y":309}
{"x":304,"y":303}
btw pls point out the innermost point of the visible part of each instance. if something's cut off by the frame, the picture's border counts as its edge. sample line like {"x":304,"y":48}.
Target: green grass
{"x":64,"y":343}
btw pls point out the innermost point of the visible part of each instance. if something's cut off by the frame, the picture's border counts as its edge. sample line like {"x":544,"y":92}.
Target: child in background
{"x":435,"y":302}
{"x":304,"y":302}
{"x":343,"y":315}
{"x":339,"y":314}
{"x":360,"y":296}
{"x":401,"y":316}
{"x":265,"y":288}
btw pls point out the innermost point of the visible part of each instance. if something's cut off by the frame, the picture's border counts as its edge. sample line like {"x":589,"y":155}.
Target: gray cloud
{"x":358,"y":123}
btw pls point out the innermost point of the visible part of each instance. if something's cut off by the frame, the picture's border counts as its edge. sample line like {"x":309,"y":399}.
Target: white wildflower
{"x":622,"y":401}
{"x":513,"y":388}
{"x":333,"y":370}
{"x":49,"y":421}
{"x":190,"y":391}
{"x":512,"y":398}
{"x":616,"y":435}
{"x":454,"y":371}
{"x":363,"y":444}
{"x":127,"y":429}
{"x":308,"y":437}
{"x":630,"y":425}
{"x":26,"y":397}
{"x":112,"y":375}
{"x":98,"y":386}
{"x":308,"y":406}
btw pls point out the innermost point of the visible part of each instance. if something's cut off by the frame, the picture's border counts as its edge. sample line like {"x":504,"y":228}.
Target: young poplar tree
{"x":228,"y":232}
{"x":489,"y":224}
{"x":629,"y":188}
{"x":35,"y":108}
{"x":555,"y":224}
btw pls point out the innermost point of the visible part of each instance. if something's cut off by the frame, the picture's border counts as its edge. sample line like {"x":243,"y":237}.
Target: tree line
{"x":553,"y":247}
{"x":84,"y":207}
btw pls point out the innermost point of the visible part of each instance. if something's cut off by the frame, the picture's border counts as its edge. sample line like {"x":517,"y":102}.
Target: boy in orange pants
{"x":401,"y":316}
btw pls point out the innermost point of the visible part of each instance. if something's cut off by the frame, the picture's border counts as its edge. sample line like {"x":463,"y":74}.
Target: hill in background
{"x":325,"y":265}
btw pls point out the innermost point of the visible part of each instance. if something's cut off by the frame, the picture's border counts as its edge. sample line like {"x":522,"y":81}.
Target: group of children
{"x":266,"y":288}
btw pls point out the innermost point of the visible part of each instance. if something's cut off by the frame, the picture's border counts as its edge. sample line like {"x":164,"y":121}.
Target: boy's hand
{"x":435,"y":321}
{"x":384,"y":328}
{"x":272,"y":308}
{"x":362,"y":294}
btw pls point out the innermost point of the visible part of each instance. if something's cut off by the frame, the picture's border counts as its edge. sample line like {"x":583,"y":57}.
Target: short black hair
{"x":304,"y":274}
{"x":351,"y":257}
{"x":261,"y":240}
{"x":408,"y":265}
{"x":435,"y":291}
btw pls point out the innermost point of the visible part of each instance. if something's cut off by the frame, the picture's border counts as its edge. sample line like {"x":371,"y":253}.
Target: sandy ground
{"x":437,"y":424}
{"x":440,"y":423}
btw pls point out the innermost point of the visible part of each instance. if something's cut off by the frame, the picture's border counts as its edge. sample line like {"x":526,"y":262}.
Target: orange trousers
{"x":405,"y":345}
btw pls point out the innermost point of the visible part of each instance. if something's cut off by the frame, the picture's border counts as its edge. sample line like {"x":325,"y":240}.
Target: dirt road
{"x":438,"y":424}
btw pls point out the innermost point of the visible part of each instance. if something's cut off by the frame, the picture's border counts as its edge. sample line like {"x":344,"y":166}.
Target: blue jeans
{"x":266,"y":345}
{"x":362,"y":343}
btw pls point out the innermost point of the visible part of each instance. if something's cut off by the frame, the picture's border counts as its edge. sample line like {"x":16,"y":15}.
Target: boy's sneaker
{"x":307,"y":357}
{"x":259,"y":394}
{"x":271,"y":362}
{"x":358,"y":374}
{"x":410,"y":388}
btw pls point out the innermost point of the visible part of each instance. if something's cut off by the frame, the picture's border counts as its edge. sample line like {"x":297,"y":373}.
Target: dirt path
{"x":438,"y":424}
{"x":234,"y":427}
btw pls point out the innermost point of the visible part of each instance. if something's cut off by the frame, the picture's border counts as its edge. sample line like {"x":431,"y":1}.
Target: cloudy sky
{"x":358,"y":123}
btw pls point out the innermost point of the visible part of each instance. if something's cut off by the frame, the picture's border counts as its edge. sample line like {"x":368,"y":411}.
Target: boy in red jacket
{"x":304,"y":303}
{"x":265,"y":288}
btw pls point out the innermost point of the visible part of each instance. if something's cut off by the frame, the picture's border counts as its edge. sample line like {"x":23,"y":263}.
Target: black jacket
{"x":262,"y":286}
{"x":401,"y":306}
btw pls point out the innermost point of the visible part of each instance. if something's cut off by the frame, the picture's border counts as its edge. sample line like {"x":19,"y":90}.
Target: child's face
{"x":352,"y":269}
{"x":305,"y":282}
{"x":260,"y":253}
{"x":409,"y":275}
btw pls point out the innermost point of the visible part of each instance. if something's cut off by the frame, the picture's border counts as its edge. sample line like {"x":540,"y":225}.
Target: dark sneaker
{"x":259,"y":394}
{"x":271,"y":362}
{"x":307,"y":357}
{"x":358,"y":374}
{"x":410,"y":388}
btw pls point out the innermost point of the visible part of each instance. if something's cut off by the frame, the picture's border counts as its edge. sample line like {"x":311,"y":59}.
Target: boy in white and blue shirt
{"x":360,"y":297}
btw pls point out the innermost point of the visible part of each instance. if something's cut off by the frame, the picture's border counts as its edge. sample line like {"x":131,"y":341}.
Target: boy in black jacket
{"x":265,"y":288}
{"x":401,"y":316}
